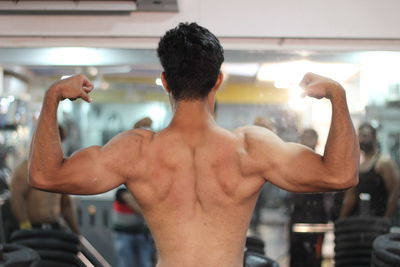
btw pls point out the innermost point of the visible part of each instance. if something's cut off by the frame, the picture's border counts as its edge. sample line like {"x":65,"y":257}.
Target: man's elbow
{"x":38,"y":180}
{"x":345,"y":181}
{"x":35,"y":180}
{"x":351,"y":181}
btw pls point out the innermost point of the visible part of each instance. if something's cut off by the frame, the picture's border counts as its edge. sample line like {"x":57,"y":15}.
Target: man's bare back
{"x":32,"y":206}
{"x":197,"y":194}
{"x":43,"y":207}
{"x":195,"y":182}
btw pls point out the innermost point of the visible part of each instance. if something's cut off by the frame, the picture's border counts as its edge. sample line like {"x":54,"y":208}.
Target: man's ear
{"x":165,"y":83}
{"x":219,"y":81}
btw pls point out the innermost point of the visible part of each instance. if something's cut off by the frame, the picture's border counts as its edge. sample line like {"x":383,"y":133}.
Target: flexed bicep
{"x":89,"y":171}
{"x":92,"y":170}
{"x":297,"y":168}
{"x":290,"y":166}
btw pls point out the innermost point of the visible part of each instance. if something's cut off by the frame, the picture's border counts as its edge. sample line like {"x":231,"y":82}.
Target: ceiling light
{"x":241,"y":69}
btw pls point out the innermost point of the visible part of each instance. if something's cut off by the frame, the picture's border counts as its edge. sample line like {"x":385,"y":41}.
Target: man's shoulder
{"x":246,"y":129}
{"x":128,"y":137}
{"x":21,"y":170}
{"x":128,"y":144}
{"x":384,"y":162}
{"x":253,"y":135}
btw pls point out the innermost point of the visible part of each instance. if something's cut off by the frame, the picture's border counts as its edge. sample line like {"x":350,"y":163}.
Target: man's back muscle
{"x":195,"y":195}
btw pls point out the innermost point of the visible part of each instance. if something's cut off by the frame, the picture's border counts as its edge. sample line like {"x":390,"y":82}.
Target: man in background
{"x":378,"y":176}
{"x":256,"y":217}
{"x":132,"y":239}
{"x":306,"y":248}
{"x":34,"y":208}
{"x":144,"y":123}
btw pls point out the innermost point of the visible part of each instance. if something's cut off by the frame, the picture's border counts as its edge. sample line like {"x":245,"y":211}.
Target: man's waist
{"x":47,"y":225}
{"x":200,"y":253}
{"x":228,"y":262}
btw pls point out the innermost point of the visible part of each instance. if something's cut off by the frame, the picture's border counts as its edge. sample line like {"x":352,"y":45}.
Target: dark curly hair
{"x":191,"y":57}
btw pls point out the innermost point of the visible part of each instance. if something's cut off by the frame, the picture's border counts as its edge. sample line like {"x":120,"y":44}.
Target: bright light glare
{"x":66,"y":106}
{"x":296,"y":102}
{"x":289,"y":75}
{"x":294,"y":71}
{"x":159,"y":82}
{"x":380,"y":69}
{"x":282,"y":84}
{"x":105,"y":85}
{"x":65,"y":77}
{"x":74,"y":56}
{"x":385,"y":64}
{"x":241,"y":69}
{"x":157,"y":112}
{"x":5,"y":103}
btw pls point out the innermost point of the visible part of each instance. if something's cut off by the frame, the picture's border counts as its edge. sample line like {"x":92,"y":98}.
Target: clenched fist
{"x":74,"y":87}
{"x":318,"y":86}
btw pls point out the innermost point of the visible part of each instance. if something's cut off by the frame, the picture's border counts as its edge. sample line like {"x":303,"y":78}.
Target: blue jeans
{"x":133,"y":250}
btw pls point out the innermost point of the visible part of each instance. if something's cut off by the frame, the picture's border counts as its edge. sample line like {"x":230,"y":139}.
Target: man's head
{"x":191,"y":57}
{"x":367,"y":137}
{"x":266,"y":123}
{"x":144,"y":123}
{"x":309,"y":138}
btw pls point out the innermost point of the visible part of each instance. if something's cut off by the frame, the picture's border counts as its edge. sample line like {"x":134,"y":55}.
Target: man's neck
{"x":370,"y":154}
{"x":193,"y":114}
{"x":367,"y":158}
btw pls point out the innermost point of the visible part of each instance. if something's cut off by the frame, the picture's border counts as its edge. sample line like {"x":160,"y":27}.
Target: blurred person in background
{"x":132,"y":239}
{"x":378,"y":177}
{"x":306,"y":248}
{"x":256,"y":217}
{"x":144,"y":123}
{"x":39,"y":209}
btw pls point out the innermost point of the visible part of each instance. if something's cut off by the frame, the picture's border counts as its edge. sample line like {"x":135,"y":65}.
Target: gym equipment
{"x":55,"y":247}
{"x":252,"y":259}
{"x":12,"y":255}
{"x":354,"y":237}
{"x":386,"y":250}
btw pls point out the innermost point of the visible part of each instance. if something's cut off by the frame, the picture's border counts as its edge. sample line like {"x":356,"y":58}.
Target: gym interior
{"x":269,"y":46}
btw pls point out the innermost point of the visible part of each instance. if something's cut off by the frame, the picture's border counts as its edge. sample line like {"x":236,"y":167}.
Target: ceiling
{"x":124,"y":69}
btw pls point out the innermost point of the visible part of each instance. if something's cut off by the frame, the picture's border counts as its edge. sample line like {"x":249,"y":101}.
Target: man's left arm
{"x":349,"y":202}
{"x":68,"y":211}
{"x":89,"y":171}
{"x":391,"y":177}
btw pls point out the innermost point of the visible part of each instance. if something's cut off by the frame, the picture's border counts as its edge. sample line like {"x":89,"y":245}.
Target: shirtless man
{"x":379,"y":177}
{"x":37,"y":209}
{"x":195,"y":182}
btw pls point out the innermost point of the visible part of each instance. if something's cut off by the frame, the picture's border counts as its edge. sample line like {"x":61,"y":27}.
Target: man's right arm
{"x":92,"y":170}
{"x":390,"y":175}
{"x":296,"y":168}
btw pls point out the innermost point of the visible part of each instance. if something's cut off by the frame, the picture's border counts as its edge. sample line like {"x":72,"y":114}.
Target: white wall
{"x":365,"y":19}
